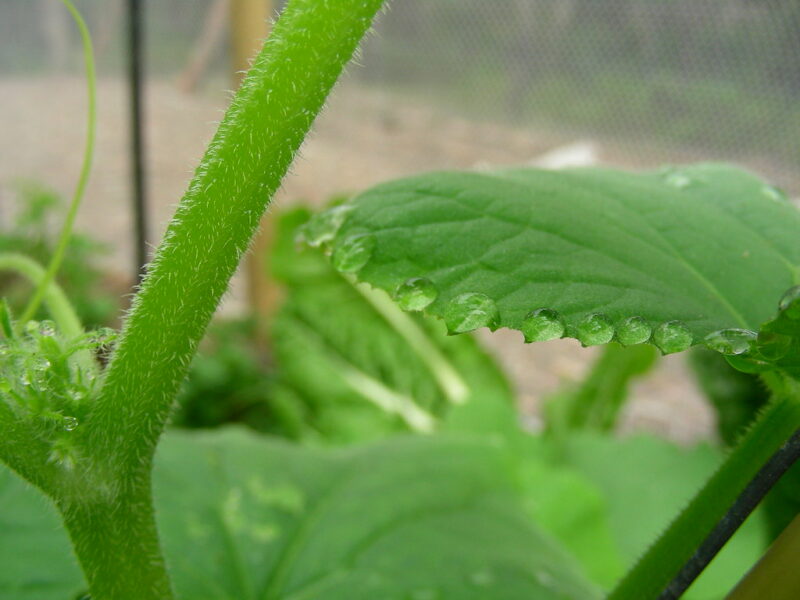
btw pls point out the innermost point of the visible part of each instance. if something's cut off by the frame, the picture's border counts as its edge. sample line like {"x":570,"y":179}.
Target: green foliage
{"x":30,"y":233}
{"x":246,"y":517}
{"x":668,"y":257}
{"x":229,"y":382}
{"x":595,"y":402}
{"x":352,"y":365}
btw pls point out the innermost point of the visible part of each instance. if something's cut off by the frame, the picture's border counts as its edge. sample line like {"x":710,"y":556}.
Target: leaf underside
{"x":710,"y":246}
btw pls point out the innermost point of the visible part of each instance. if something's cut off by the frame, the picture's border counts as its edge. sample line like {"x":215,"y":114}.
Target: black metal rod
{"x":763,"y":482}
{"x":139,"y":197}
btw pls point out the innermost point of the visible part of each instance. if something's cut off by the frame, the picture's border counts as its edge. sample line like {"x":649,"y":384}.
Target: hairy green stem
{"x":661,"y":563}
{"x":83,"y":179}
{"x":116,"y":542}
{"x":256,"y":142}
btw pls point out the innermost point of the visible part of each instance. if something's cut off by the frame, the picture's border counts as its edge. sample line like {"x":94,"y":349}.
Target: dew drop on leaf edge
{"x":470,"y":311}
{"x":633,"y":330}
{"x":543,"y":325}
{"x":322,"y":227}
{"x":416,"y":294}
{"x":790,"y":303}
{"x":595,"y":329}
{"x":70,"y":423}
{"x":730,"y":341}
{"x":352,"y":253}
{"x":672,"y":337}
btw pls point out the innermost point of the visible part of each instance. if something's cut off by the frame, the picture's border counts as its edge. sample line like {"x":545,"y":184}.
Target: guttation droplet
{"x":730,"y":341}
{"x":471,"y":311}
{"x":543,"y":325}
{"x":774,"y":193}
{"x":677,"y":179}
{"x":47,"y":328}
{"x":633,"y":330}
{"x":790,"y":303}
{"x":70,"y":423}
{"x":672,"y":336}
{"x":416,"y":293}
{"x":595,"y":329}
{"x":40,"y":363}
{"x":353,"y":252}
{"x":322,"y":227}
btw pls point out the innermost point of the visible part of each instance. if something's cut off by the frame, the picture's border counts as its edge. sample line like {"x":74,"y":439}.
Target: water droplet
{"x":40,"y":363}
{"x":730,"y":341}
{"x":677,"y":179}
{"x":47,"y":328}
{"x":595,"y":329}
{"x":322,"y":227}
{"x":633,"y":330}
{"x":774,"y":193}
{"x":70,"y":423}
{"x":773,"y":346}
{"x":25,"y":380}
{"x":542,"y":325}
{"x":470,"y":311}
{"x":104,"y":336}
{"x":416,"y":293}
{"x":353,"y":252}
{"x":672,"y":336}
{"x":481,"y":578}
{"x":790,"y":303}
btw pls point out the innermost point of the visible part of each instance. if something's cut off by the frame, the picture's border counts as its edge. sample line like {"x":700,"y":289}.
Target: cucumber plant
{"x":706,"y":254}
{"x":673,"y":258}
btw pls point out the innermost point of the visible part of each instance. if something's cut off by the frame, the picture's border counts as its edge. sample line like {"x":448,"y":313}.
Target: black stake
{"x":763,"y":482}
{"x":137,"y":136}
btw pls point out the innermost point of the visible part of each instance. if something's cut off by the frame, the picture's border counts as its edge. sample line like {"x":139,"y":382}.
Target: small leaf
{"x":681,"y":253}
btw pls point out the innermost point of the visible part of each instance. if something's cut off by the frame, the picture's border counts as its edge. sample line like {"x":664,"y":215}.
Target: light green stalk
{"x":83,"y":179}
{"x":212,"y":228}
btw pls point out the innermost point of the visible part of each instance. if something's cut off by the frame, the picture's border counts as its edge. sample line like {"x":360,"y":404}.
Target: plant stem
{"x":213,"y":225}
{"x":58,"y":304}
{"x":116,"y":542}
{"x":657,"y":568}
{"x":83,"y":179}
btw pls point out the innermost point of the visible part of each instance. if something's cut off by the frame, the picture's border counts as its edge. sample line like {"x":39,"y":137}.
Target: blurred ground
{"x":364,"y":137}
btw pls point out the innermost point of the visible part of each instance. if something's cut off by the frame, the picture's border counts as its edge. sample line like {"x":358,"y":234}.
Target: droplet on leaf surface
{"x":470,"y":311}
{"x":773,"y":346}
{"x":633,"y":330}
{"x":322,"y":227}
{"x":672,"y":336}
{"x":416,"y":294}
{"x":790,"y":303}
{"x":730,"y":341}
{"x":595,"y":329}
{"x":542,"y":325}
{"x":353,"y":252}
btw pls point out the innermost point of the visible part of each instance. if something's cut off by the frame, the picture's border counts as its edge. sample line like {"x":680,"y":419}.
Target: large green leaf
{"x":688,"y":251}
{"x":36,"y":560}
{"x":244,"y":517}
{"x":358,"y":367}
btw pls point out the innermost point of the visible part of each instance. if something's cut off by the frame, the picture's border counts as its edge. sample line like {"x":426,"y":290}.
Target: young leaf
{"x":668,"y":257}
